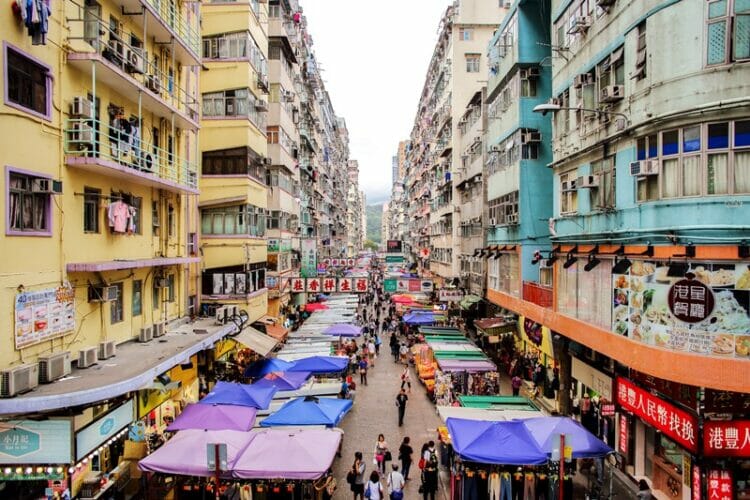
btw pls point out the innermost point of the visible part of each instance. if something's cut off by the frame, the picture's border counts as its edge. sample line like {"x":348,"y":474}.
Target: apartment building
{"x":456,"y":70}
{"x":354,"y":228}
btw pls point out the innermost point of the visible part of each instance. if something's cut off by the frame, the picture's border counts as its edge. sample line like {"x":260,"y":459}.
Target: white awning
{"x":256,"y":340}
{"x":486,"y":415}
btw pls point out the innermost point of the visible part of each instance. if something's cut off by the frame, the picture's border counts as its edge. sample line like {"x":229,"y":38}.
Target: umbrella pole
{"x":218,"y":473}
{"x":562,"y":466}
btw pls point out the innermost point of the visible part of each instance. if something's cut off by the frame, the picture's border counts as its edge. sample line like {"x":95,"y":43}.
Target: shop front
{"x":726,"y":448}
{"x":535,"y":362}
{"x":657,"y":439}
{"x":593,"y":406}
{"x":34,"y":457}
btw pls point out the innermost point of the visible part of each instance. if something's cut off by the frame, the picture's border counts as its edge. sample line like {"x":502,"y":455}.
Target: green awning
{"x":445,"y":338}
{"x":467,"y":355}
{"x":435,"y":330}
{"x":497,"y":402}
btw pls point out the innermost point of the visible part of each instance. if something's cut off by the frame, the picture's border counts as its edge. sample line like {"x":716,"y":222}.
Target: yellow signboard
{"x":536,"y":335}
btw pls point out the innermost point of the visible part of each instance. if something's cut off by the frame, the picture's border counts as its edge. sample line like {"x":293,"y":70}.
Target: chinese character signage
{"x":309,"y":264}
{"x":697,"y":487}
{"x":677,"y":424}
{"x":313,"y":285}
{"x":726,"y":439}
{"x":707,"y":314}
{"x":393,"y":246}
{"x":361,"y":285}
{"x":624,"y":432}
{"x":43,"y":315}
{"x":389,"y":286}
{"x":328,"y":285}
{"x":297,"y":285}
{"x":32,"y":442}
{"x":345,"y":285}
{"x":450,"y":295}
{"x":720,"y":485}
{"x":273,"y":245}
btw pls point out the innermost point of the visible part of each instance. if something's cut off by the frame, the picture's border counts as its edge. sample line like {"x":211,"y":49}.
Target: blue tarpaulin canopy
{"x":508,"y":443}
{"x":320,"y":364}
{"x":310,"y":411}
{"x":419,"y":318}
{"x":266,"y":366}
{"x":229,"y":393}
{"x":284,"y":381}
{"x":546,"y":432}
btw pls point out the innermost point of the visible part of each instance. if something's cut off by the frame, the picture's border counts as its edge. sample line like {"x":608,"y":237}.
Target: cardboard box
{"x":134,"y":450}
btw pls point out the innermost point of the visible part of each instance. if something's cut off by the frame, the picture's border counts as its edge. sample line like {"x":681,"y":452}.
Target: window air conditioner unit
{"x":568,"y":186}
{"x":18,"y":380}
{"x":53,"y":367}
{"x":102,"y":293}
{"x":146,"y":334}
{"x":579,"y":24}
{"x":107,"y":349}
{"x":159,"y":328}
{"x":587,"y":182}
{"x":644,"y":167}
{"x":82,"y":135}
{"x":261,"y":105}
{"x":88,"y":357}
{"x":511,"y":218}
{"x":135,"y":60}
{"x":80,"y":106}
{"x":48,"y":186}
{"x":530,"y":137}
{"x":153,"y":83}
{"x":612,"y":93}
{"x":583,"y":79}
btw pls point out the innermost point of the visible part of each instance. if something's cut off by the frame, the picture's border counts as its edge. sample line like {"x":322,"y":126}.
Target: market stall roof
{"x":462,"y":355}
{"x":284,"y":381}
{"x":229,"y":393}
{"x":420,"y":318}
{"x":310,"y":411}
{"x":495,"y":326}
{"x":508,"y":443}
{"x":321,"y":364}
{"x":278,"y":332}
{"x":214,"y":417}
{"x":486,"y":415}
{"x":471,"y":366}
{"x":266,"y":366}
{"x":436,"y":330}
{"x":454,"y":339}
{"x":452,"y":346}
{"x":273,"y":454}
{"x":471,"y":401}
{"x":546,"y":432}
{"x":343,"y":330}
{"x":256,"y":340}
{"x":185,"y":453}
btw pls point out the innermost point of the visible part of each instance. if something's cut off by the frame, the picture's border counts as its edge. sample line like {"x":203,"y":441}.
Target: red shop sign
{"x":726,"y":439}
{"x":697,"y":490}
{"x":624,"y":434}
{"x":720,"y":485}
{"x":679,"y":425}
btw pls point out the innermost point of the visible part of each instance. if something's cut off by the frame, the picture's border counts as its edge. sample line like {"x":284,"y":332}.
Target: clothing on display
{"x":499,"y":483}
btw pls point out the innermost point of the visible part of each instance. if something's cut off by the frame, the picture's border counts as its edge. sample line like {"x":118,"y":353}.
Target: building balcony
{"x":282,"y":27}
{"x":540,"y":295}
{"x":91,"y":146}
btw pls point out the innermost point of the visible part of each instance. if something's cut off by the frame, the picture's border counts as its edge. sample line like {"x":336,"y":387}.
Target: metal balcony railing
{"x":540,"y":295}
{"x":177,"y":21}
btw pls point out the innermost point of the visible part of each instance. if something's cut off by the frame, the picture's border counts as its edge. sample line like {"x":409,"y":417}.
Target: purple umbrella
{"x":343,"y":330}
{"x":284,"y":381}
{"x":215,"y":418}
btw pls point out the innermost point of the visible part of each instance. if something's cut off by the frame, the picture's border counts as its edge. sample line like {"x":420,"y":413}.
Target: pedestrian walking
{"x":404,"y":354}
{"x":401,"y":400}
{"x":356,"y":476}
{"x":404,"y":454}
{"x":430,"y":472}
{"x":381,"y":449}
{"x":377,"y":344}
{"x":374,"y":490}
{"x":396,"y":483}
{"x":393,"y":342}
{"x":406,"y":378}
{"x":372,"y":351}
{"x":363,"y":371}
{"x":515,"y":384}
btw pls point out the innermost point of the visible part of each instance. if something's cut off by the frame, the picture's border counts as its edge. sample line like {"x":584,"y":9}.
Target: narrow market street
{"x":375,"y":412}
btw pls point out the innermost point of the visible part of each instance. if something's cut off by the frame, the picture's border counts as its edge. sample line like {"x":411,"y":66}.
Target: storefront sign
{"x":726,"y":402}
{"x":706,"y":315}
{"x":272,"y":282}
{"x":389,"y":286}
{"x":686,"y":464}
{"x":450,"y":295}
{"x":273,"y":245}
{"x":536,"y":336}
{"x":32,"y":442}
{"x":624,"y":434}
{"x":43,"y":315}
{"x":593,"y":379}
{"x":394,"y":259}
{"x":329,"y":285}
{"x":675,"y":423}
{"x":720,"y":485}
{"x":608,"y":410}
{"x":726,"y":439}
{"x":309,"y":263}
{"x":345,"y":285}
{"x":690,"y":300}
{"x":92,"y":436}
{"x":697,"y":488}
{"x":685,"y":394}
{"x":297,"y":284}
{"x":393,"y":246}
{"x":312,"y":285}
{"x":361,"y":285}
{"x":402,"y":285}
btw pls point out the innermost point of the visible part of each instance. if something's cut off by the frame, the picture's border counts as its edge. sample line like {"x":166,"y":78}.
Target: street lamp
{"x":554,"y":108}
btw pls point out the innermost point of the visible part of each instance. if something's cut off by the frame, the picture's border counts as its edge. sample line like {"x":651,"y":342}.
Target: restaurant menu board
{"x":43,"y":315}
{"x":707,"y":312}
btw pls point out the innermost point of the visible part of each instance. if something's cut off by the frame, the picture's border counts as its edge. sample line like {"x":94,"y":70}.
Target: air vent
{"x":88,"y":357}
{"x":107,"y":349}
{"x":18,"y":380}
{"x":146,"y":334}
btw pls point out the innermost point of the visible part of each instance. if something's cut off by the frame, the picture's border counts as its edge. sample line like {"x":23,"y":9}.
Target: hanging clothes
{"x":118,"y":216}
{"x":35,"y":15}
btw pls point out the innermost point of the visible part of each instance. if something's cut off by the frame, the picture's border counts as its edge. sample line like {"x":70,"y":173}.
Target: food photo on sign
{"x":698,"y":307}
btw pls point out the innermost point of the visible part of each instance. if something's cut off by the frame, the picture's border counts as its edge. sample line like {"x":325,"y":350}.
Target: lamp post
{"x":554,"y":108}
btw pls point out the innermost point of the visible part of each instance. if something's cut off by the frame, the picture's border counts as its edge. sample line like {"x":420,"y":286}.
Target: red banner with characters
{"x":720,"y":485}
{"x":726,"y":439}
{"x":679,"y":425}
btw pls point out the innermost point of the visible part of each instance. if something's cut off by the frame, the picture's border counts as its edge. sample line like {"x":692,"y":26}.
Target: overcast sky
{"x":374,"y":56}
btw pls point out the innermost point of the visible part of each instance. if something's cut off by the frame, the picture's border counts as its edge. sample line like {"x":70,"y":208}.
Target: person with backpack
{"x":396,"y":484}
{"x":356,"y":476}
{"x":430,"y":472}
{"x":374,"y":490}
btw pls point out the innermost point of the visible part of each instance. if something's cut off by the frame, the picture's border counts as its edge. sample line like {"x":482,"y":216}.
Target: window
{"x":233,"y":103}
{"x":640,"y":55}
{"x":170,"y":288}
{"x":155,"y":218}
{"x":472,"y":63}
{"x":155,"y":295}
{"x":728,"y":31}
{"x":697,"y":160}
{"x":115,"y":306}
{"x":28,"y":83}
{"x":545,"y":274}
{"x":604,"y":195}
{"x":568,"y":193}
{"x":611,"y":71}
{"x":504,"y":209}
{"x":239,"y":45}
{"x":528,"y":87}
{"x":235,"y":161}
{"x":466,"y":34}
{"x":493,"y":270}
{"x":241,"y":219}
{"x":28,"y":210}
{"x":171,"y":221}
{"x":91,"y":210}
{"x":137,"y":301}
{"x":586,"y":295}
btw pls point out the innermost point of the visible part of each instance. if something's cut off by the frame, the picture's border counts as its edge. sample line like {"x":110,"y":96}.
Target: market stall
{"x":309,"y":411}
